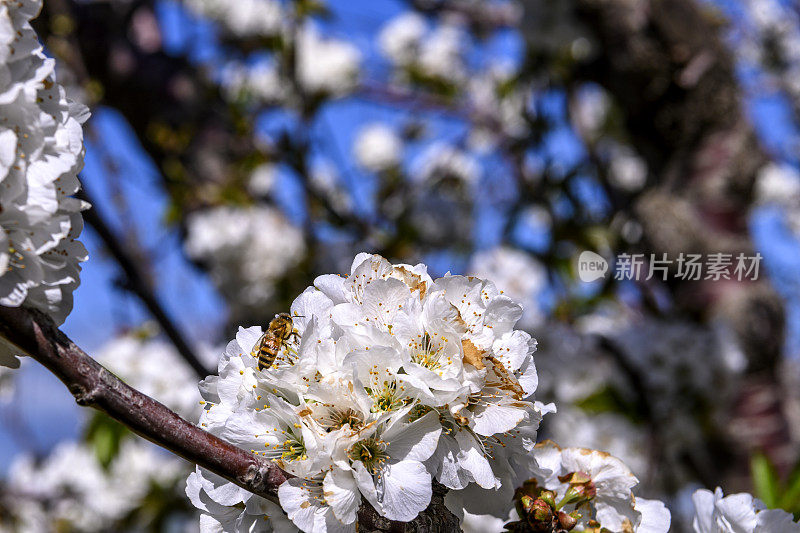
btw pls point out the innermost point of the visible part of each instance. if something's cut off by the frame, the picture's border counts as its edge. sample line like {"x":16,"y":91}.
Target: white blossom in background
{"x":773,"y":44}
{"x":41,"y":153}
{"x":498,"y":105}
{"x":399,"y":40}
{"x":738,"y":513}
{"x":70,"y":488}
{"x":779,"y":185}
{"x":440,"y":54}
{"x":326,"y":67}
{"x":262,"y":179}
{"x":244,"y":18}
{"x":677,"y":359}
{"x":481,"y":523}
{"x":610,"y":432}
{"x":627,"y":171}
{"x":408,"y":43}
{"x":377,"y":147}
{"x":395,"y":379}
{"x":570,"y":366}
{"x":589,"y":110}
{"x":595,"y":489}
{"x":518,"y":275}
{"x":240,"y":247}
{"x":140,"y":362}
{"x":441,"y":161}
{"x":259,"y":83}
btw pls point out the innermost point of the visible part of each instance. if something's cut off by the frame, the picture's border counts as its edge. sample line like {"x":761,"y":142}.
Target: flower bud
{"x":549,"y":497}
{"x":581,"y":492}
{"x":581,"y":488}
{"x":542,"y":512}
{"x":527,"y":503}
{"x":568,"y":521}
{"x":540,"y":517}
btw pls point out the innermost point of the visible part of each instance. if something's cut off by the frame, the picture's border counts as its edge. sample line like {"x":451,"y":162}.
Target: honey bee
{"x":278,"y":334}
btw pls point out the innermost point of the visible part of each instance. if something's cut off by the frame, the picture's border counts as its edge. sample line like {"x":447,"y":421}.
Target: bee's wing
{"x":257,"y":345}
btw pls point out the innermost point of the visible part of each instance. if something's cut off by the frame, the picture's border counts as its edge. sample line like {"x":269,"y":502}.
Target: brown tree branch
{"x":92,"y":385}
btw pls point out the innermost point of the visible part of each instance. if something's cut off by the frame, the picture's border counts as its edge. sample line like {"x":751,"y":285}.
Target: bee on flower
{"x":396,"y":380}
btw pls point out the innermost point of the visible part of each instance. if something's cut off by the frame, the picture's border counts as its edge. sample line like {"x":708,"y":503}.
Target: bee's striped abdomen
{"x":267,"y":351}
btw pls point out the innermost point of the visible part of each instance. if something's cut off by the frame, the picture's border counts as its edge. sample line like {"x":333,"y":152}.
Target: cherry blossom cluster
{"x":41,"y":153}
{"x":240,"y":249}
{"x":392,"y":380}
{"x":71,"y":491}
{"x":244,"y":18}
{"x":584,"y":490}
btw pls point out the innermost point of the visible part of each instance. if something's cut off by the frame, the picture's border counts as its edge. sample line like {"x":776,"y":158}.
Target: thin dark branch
{"x":92,"y":385}
{"x":138,"y":285}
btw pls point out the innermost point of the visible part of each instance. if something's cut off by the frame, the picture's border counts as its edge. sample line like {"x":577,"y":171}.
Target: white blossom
{"x":399,"y":40}
{"x":474,"y":523}
{"x":394,"y":379}
{"x":610,"y":432}
{"x":325,"y":180}
{"x":599,"y":486}
{"x":377,"y":147}
{"x":441,"y":53}
{"x":778,"y":184}
{"x":627,"y":170}
{"x":327,"y":67}
{"x":41,"y":153}
{"x":772,"y":43}
{"x":499,"y":104}
{"x":240,"y":247}
{"x":244,"y":18}
{"x":517,"y":275}
{"x":71,"y":488}
{"x":435,"y":54}
{"x":262,"y":179}
{"x":738,"y":513}
{"x":259,"y":83}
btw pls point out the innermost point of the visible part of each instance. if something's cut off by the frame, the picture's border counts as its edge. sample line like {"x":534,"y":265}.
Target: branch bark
{"x":92,"y":385}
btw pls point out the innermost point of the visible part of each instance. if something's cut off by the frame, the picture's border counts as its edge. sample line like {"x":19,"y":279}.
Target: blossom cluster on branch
{"x":393,"y":379}
{"x":41,"y":153}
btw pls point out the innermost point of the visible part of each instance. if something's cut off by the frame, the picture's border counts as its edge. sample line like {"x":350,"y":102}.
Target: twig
{"x":137,"y":284}
{"x":92,"y":385}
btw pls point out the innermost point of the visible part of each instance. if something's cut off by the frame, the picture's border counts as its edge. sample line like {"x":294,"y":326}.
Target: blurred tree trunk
{"x":666,"y":65}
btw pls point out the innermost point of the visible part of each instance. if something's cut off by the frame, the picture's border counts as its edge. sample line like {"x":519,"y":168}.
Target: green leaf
{"x":609,"y":400}
{"x":105,"y":437}
{"x":765,"y":480}
{"x":790,"y":499}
